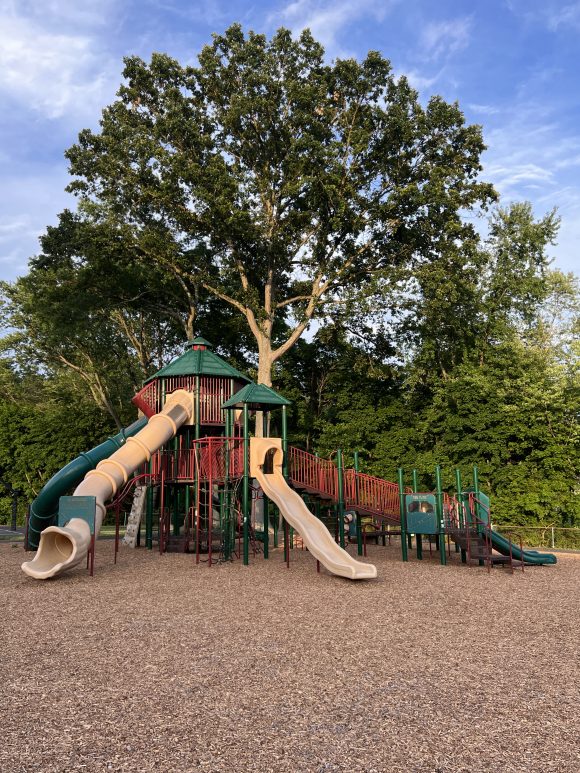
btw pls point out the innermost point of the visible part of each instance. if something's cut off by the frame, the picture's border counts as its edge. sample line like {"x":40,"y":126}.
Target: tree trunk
{"x":265,"y":363}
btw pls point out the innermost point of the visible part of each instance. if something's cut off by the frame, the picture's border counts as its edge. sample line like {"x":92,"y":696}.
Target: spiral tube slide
{"x":61,"y":548}
{"x":316,"y":536}
{"x":44,"y":508}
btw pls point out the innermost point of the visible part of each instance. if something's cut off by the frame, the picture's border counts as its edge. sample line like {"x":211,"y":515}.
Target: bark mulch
{"x":158,"y":664}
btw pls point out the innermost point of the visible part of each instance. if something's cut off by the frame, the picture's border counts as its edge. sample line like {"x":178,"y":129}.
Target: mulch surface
{"x":159,"y":664}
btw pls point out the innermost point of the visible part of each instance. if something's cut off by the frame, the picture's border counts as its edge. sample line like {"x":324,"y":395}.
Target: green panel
{"x":483,"y":506}
{"x":77,"y":507}
{"x":421,"y":512}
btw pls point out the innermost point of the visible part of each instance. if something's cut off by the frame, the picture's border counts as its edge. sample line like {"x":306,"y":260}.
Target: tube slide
{"x":44,"y":508}
{"x":317,"y":538}
{"x":502,"y":545}
{"x":61,"y":548}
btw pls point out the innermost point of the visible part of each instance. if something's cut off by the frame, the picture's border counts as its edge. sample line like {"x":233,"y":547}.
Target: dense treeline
{"x":265,"y":194}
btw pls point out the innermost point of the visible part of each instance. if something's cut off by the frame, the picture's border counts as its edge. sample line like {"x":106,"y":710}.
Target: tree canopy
{"x":276,"y":182}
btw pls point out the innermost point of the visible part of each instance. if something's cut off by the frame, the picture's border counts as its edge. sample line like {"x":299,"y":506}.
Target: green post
{"x":476,"y":494}
{"x":418,"y":537}
{"x":246,"y":488}
{"x":265,"y":506}
{"x":403,"y":516}
{"x":285,"y":441}
{"x":276,"y":522}
{"x":197,"y":407}
{"x":476,"y":497}
{"x":409,"y":536}
{"x":228,"y":503}
{"x":175,"y":496}
{"x":340,"y":497}
{"x":461,"y":510}
{"x":359,"y":536}
{"x":266,"y":527}
{"x":442,"y":554}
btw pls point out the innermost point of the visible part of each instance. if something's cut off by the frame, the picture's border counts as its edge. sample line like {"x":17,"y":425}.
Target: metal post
{"x":401,"y":477}
{"x":285,"y":441}
{"x":476,"y":503}
{"x":228,"y":547}
{"x":246,"y":488}
{"x":265,"y":507}
{"x":266,"y":517}
{"x":461,"y":511}
{"x":440,"y":516}
{"x":197,"y":406}
{"x":359,"y":536}
{"x":149,"y":512}
{"x":340,"y":497}
{"x":418,"y":537}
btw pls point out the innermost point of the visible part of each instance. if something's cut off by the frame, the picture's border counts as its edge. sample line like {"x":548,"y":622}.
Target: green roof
{"x":256,"y":395}
{"x":199,"y":362}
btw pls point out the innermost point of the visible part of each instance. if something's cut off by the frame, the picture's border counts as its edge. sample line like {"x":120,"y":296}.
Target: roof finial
{"x":198,"y":343}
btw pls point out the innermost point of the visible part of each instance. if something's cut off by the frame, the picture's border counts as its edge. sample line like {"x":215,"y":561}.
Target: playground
{"x":259,"y":608}
{"x":159,"y":663}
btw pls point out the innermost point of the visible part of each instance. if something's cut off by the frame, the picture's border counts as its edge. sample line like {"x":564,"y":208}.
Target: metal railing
{"x":550,"y":537}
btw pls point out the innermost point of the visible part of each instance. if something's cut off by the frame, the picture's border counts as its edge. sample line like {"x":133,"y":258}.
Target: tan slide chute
{"x":62,"y":547}
{"x":266,"y":453}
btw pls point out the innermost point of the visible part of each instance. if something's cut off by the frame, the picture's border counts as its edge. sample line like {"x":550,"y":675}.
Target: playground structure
{"x":194,"y":470}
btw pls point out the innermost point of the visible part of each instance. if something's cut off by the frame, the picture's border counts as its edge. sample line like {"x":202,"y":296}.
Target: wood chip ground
{"x":157,"y":664}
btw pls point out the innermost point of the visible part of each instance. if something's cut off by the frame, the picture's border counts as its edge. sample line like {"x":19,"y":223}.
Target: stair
{"x":472,"y":542}
{"x":134,"y":520}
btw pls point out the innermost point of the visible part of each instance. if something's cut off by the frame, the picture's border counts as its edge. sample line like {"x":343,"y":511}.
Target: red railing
{"x":206,"y":457}
{"x":310,"y":472}
{"x":213,"y":392}
{"x":371,"y":495}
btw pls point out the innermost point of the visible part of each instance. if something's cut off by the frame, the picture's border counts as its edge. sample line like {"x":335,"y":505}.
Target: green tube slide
{"x":502,"y":545}
{"x":45,"y":507}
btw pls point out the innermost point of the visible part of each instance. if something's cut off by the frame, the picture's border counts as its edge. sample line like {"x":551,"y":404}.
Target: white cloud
{"x":567,"y":16}
{"x":327,"y":20}
{"x":419,"y":81}
{"x":528,"y":158}
{"x":484,"y":109}
{"x":441,"y":39}
{"x":21,"y":224}
{"x":49,"y":70}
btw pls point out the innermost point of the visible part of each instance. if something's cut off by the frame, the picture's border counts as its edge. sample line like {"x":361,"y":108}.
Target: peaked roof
{"x":199,"y":362}
{"x":256,"y":395}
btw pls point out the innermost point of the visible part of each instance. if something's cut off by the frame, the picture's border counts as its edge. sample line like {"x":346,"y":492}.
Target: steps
{"x":135,"y":516}
{"x":473,"y":543}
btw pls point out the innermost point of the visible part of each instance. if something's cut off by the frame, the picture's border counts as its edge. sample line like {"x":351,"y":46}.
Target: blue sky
{"x":513,"y":65}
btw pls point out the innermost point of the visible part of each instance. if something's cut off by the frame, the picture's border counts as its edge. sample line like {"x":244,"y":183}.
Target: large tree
{"x":276,"y":182}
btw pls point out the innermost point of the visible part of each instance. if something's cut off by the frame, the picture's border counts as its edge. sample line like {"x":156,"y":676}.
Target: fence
{"x":566,"y":538}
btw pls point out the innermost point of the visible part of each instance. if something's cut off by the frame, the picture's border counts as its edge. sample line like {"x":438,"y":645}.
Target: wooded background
{"x":332,"y":234}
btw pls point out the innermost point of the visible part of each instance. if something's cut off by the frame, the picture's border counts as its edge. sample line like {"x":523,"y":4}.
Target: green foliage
{"x":41,"y":430}
{"x":275,"y":182}
{"x":263,"y":190}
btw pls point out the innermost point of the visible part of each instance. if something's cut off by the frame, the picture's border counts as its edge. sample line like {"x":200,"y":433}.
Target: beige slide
{"x":266,"y":466}
{"x":62,"y":547}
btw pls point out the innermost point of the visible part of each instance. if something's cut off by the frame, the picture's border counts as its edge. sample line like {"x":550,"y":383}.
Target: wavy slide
{"x":316,"y":536}
{"x":502,"y":545}
{"x":61,"y":548}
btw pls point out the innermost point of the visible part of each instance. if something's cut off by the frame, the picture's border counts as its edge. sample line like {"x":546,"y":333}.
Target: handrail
{"x":306,"y":470}
{"x":372,"y":494}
